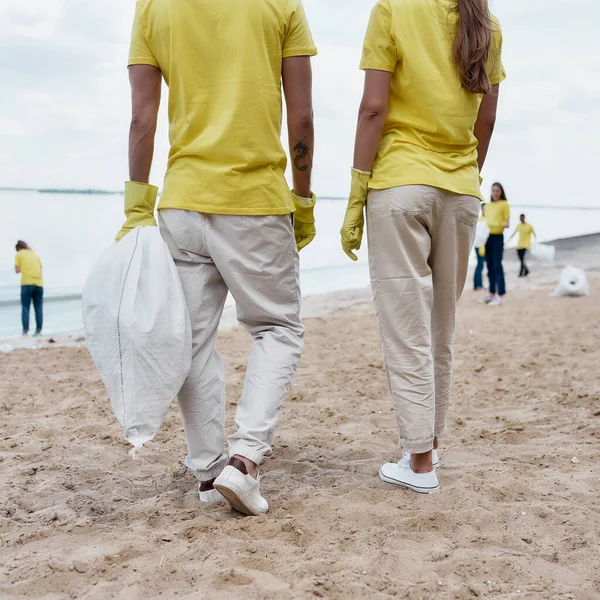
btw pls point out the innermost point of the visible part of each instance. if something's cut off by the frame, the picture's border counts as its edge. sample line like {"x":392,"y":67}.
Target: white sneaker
{"x":434,"y":457}
{"x":241,"y":490}
{"x":404,"y":476}
{"x":211,"y":497}
{"x":497,"y":301}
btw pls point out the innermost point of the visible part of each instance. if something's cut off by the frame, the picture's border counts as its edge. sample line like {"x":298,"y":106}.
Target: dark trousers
{"x":522,"y":252}
{"x":479,"y":270}
{"x":494,"y":254}
{"x":29,"y":294}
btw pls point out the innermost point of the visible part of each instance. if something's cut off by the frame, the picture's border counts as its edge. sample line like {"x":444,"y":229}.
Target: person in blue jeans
{"x":480,"y":254}
{"x":32,"y":294}
{"x":497,"y":216}
{"x":29,"y":265}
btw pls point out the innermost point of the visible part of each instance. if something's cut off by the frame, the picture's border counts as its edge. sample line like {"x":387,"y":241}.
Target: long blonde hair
{"x":472,"y":45}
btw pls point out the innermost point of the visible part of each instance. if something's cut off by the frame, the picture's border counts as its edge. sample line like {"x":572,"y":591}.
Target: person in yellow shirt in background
{"x":29,"y":265}
{"x":497,"y":215}
{"x":226,"y":211}
{"x":525,"y":231}
{"x":433,"y":70}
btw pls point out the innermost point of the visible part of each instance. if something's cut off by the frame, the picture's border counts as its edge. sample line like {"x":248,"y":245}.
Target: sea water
{"x":71,"y":231}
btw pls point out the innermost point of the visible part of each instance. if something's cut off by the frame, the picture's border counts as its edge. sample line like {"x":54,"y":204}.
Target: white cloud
{"x":65,"y":101}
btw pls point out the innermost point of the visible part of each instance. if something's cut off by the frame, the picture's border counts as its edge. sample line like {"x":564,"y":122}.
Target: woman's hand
{"x":354,"y":221}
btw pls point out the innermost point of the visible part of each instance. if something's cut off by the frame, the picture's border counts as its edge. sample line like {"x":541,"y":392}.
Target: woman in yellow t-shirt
{"x":525,"y":231}
{"x":433,"y":70}
{"x":29,"y":265}
{"x":497,"y":215}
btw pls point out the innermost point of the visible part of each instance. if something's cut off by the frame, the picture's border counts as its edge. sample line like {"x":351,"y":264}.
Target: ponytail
{"x":472,"y":45}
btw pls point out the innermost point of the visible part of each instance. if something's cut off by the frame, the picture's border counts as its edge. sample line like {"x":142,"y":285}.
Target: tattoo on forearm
{"x":302,"y":151}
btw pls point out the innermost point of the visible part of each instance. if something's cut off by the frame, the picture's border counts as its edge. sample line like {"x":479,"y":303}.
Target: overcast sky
{"x":64,"y":96}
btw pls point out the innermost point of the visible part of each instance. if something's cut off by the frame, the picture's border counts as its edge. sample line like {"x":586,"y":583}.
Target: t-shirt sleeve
{"x":298,"y":39}
{"x":506,"y":211}
{"x":379,"y":48}
{"x":495,"y":67}
{"x":140,"y":52}
{"x":17,"y":260}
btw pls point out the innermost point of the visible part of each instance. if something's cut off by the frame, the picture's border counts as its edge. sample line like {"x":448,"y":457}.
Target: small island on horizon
{"x":88,"y":192}
{"x":74,"y":191}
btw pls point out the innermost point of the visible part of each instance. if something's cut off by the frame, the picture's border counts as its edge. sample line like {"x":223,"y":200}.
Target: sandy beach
{"x":518,"y":515}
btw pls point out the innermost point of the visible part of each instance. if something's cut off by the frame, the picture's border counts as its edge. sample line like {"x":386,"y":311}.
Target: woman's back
{"x":428,"y":137}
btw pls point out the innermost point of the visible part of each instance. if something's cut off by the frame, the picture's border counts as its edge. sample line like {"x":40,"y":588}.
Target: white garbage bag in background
{"x":573,"y":282}
{"x":543,"y":252}
{"x":482,"y":233}
{"x":138,"y":331}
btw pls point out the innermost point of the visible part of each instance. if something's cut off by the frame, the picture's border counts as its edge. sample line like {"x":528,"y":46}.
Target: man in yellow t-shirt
{"x":525,"y":231}
{"x":226,"y":211}
{"x":29,"y":265}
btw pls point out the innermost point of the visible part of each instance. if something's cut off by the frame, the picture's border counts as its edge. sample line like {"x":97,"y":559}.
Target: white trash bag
{"x":573,"y":282}
{"x":543,"y":253}
{"x":138,"y":330}
{"x":482,"y":233}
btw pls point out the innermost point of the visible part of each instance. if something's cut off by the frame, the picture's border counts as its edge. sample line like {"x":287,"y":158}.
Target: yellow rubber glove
{"x":304,"y":220}
{"x":354,"y":222}
{"x":140,"y":200}
{"x":481,"y":251}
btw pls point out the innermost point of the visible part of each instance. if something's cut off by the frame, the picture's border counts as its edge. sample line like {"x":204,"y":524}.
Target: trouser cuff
{"x":440,"y":430}
{"x":416,"y":446}
{"x":256,"y":455}
{"x":207,"y":475}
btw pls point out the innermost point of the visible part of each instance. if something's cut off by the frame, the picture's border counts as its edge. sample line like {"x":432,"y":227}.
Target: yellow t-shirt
{"x":496,"y":215}
{"x":525,"y":232}
{"x":222,"y":62}
{"x":428,"y":138}
{"x":31,"y":267}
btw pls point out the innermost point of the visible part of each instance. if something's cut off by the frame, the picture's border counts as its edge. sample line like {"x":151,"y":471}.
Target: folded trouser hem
{"x":209,"y":475}
{"x":439,"y":430}
{"x":416,"y":446}
{"x":256,"y":456}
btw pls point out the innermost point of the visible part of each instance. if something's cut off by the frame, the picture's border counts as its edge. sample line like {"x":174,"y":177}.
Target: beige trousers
{"x":420,"y":239}
{"x":254,"y":258}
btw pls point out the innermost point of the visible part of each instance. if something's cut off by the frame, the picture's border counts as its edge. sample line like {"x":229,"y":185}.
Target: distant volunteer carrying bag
{"x":138,"y":328}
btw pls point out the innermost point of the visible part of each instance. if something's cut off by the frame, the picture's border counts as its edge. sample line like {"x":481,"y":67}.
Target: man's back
{"x":222,"y":60}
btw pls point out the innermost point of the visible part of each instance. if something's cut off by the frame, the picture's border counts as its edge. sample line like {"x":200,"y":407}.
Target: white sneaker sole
{"x":408,"y":486}
{"x":238,"y":499}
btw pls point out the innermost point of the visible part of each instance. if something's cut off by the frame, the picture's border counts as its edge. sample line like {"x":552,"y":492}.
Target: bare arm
{"x":297,"y":86}
{"x":17,"y":269}
{"x":371,"y":118}
{"x":484,"y":126}
{"x":146,"y":82}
